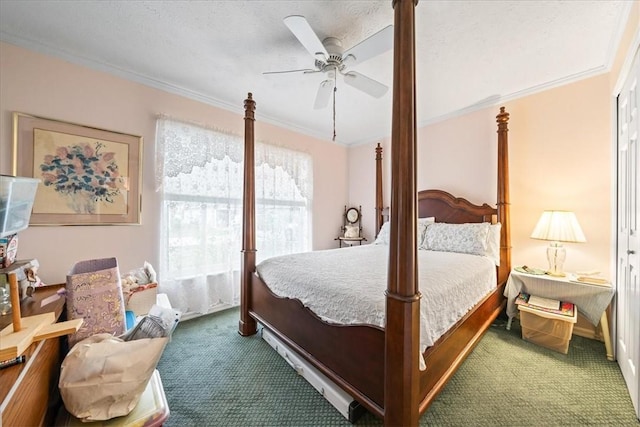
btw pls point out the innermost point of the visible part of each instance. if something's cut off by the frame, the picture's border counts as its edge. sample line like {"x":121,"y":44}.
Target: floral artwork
{"x":83,"y":173}
{"x":88,"y":175}
{"x":79,"y":175}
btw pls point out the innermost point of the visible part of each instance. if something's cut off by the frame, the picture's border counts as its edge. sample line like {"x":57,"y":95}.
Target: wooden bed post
{"x":247,"y":325}
{"x":503,"y":204}
{"x":402,"y":336}
{"x":379,"y":202}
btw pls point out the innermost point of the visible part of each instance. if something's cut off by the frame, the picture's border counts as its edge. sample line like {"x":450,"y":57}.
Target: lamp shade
{"x":558,"y":226}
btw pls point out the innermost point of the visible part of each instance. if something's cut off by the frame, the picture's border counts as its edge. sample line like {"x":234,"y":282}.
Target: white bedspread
{"x":347,"y":285}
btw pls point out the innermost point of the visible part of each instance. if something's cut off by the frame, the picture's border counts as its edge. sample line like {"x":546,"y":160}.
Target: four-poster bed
{"x":379,"y":366}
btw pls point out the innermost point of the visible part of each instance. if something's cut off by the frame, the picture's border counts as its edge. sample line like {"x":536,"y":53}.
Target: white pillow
{"x":384,"y":235}
{"x":422,"y":228}
{"x":469,"y":238}
{"x":493,"y":243}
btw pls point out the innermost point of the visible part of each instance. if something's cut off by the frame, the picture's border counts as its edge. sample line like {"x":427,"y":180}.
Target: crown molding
{"x":177,"y":90}
{"x":153,"y":83}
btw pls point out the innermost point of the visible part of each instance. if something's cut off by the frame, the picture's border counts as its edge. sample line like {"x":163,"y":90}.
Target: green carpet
{"x":214,"y":377}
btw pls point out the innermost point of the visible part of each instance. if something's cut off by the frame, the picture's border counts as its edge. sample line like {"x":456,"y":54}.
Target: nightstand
{"x":351,"y":230}
{"x":592,"y":300}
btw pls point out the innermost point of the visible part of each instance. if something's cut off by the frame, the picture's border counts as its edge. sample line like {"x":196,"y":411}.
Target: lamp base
{"x":556,"y":254}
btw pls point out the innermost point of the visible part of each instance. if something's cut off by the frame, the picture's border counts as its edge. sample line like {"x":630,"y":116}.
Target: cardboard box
{"x":141,"y":300}
{"x":549,"y":330}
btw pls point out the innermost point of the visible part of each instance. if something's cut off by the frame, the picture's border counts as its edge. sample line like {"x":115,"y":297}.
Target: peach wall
{"x":560,"y":158}
{"x":362,"y":185}
{"x":470,"y":141}
{"x":44,"y":86}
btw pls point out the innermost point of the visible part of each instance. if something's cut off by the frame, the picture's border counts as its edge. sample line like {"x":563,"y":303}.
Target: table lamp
{"x":558,"y":227}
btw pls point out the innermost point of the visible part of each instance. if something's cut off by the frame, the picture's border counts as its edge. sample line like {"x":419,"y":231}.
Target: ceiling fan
{"x":331,"y":59}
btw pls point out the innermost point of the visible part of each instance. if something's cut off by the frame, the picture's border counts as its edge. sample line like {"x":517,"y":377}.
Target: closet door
{"x":628,"y":241}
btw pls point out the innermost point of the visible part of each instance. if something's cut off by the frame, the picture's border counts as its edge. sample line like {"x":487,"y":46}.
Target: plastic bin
{"x":16,"y":201}
{"x":549,"y":330}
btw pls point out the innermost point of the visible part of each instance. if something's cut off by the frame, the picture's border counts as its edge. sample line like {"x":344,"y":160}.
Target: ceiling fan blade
{"x":303,"y":70}
{"x":365,"y":84}
{"x":305,"y":34}
{"x":378,"y":43}
{"x":323,"y":95}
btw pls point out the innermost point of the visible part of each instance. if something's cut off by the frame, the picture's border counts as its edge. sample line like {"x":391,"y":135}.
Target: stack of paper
{"x":549,"y":303}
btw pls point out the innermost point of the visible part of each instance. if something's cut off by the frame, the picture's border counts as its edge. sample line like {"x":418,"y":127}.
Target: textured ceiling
{"x":470,"y":53}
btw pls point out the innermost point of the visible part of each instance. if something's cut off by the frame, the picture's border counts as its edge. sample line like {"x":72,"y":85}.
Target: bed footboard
{"x":448,"y":353}
{"x":352,"y":356}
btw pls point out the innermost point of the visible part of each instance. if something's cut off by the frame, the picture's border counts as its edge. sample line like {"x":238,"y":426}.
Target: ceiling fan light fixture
{"x":330,"y":58}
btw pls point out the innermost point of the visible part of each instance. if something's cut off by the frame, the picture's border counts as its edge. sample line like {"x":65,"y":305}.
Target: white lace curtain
{"x":199,"y":172}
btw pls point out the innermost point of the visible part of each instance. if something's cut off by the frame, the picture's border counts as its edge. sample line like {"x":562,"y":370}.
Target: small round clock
{"x":353,"y":215}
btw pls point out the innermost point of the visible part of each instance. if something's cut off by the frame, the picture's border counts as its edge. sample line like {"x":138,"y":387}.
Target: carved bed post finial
{"x":379,"y":204}
{"x":247,"y":324}
{"x":249,"y":107}
{"x":503,"y":203}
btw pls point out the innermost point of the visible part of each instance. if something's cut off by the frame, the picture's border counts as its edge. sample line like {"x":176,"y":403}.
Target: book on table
{"x":545,"y":304}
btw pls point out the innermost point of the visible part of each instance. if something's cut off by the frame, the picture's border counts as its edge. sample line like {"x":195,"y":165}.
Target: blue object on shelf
{"x":130,"y":318}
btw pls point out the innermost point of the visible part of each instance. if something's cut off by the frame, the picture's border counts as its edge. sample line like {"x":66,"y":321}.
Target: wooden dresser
{"x":29,"y":391}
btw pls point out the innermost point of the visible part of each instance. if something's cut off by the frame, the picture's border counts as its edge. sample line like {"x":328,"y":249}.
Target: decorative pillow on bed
{"x":493,"y":243}
{"x":351,"y":231}
{"x":422,"y":228}
{"x":470,"y":238}
{"x":384,"y":235}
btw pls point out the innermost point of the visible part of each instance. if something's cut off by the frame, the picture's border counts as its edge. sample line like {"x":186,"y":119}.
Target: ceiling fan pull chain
{"x":335,"y":89}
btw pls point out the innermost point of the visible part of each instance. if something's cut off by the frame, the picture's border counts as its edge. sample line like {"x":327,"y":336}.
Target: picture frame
{"x":88,"y":176}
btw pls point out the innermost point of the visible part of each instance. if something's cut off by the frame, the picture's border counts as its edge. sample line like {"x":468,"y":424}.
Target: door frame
{"x":623,"y":75}
{"x":625,"y":70}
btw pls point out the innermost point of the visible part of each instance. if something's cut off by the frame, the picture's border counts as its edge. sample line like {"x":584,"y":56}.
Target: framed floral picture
{"x":88,"y":176}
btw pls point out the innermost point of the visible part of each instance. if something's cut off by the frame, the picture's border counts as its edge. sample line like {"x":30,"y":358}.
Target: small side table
{"x":350,"y":241}
{"x":592,"y":300}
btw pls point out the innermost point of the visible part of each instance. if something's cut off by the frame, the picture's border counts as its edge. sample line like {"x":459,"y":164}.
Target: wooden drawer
{"x":340,"y":400}
{"x":27,"y":388}
{"x":29,"y":391}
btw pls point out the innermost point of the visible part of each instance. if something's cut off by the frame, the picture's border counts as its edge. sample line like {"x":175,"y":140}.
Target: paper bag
{"x":103,"y":377}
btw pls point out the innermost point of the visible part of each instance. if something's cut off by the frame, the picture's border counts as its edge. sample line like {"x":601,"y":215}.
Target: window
{"x":200,"y":172}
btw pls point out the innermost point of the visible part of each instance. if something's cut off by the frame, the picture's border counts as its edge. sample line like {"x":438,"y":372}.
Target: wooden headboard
{"x":448,"y":208}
